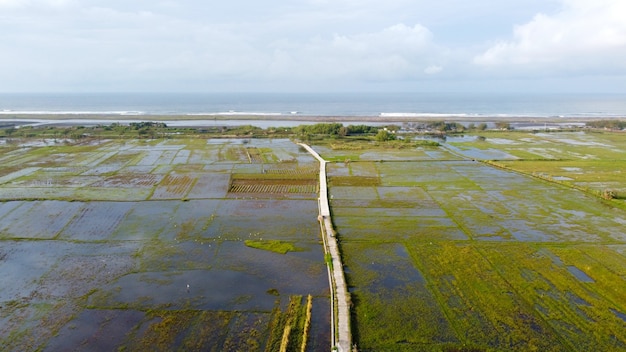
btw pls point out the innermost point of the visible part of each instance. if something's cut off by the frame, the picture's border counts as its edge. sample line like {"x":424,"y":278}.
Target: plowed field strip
{"x":273,"y":186}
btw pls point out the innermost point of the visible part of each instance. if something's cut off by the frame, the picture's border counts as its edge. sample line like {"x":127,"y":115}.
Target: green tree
{"x":332,"y":129}
{"x":361,"y":129}
{"x":608,"y":124}
{"x":9,"y":131}
{"x":384,"y":135}
{"x":502,"y":125}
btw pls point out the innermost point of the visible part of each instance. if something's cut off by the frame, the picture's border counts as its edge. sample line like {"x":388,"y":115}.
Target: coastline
{"x":389,"y":118}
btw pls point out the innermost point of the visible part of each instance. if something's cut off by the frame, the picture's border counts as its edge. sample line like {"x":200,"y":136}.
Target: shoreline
{"x":382,"y":118}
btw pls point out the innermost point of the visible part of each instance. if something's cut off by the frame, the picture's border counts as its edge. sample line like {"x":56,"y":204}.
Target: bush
{"x":384,"y":135}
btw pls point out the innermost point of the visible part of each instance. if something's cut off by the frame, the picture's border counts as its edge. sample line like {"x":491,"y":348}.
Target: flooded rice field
{"x":593,"y":161}
{"x":140,"y":245}
{"x":459,"y":253}
{"x":495,"y":243}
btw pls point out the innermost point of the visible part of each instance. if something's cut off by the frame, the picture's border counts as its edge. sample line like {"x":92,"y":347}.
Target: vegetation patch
{"x":289,"y":329}
{"x":275,"y":246}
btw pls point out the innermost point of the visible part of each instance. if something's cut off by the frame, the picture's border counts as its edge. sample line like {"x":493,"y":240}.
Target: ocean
{"x":322,"y":104}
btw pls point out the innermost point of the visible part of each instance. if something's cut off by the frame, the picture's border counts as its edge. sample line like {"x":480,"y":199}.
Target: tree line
{"x":334,"y":129}
{"x":608,"y":124}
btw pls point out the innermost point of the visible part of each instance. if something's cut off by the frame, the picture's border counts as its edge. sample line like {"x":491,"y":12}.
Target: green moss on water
{"x":275,"y":246}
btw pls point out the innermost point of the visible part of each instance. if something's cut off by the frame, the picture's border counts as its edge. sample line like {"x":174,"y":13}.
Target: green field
{"x":588,"y":160}
{"x":455,"y":254}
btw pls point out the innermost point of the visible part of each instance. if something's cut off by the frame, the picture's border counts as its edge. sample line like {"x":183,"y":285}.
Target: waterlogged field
{"x":196,"y":244}
{"x":593,"y":161}
{"x":141,"y":245}
{"x":447,"y":253}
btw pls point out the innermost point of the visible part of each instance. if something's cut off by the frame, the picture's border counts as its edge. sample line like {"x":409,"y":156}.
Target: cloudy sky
{"x":313,"y":45}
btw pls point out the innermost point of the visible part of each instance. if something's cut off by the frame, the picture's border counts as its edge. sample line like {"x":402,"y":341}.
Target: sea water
{"x":319,"y":104}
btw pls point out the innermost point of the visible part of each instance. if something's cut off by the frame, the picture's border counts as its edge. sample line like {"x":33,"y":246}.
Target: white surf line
{"x":342,"y":340}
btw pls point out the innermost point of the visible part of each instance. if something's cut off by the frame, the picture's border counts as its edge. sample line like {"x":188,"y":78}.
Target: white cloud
{"x":13,"y":3}
{"x":583,"y":35}
{"x":167,"y":44}
{"x":394,"y":52}
{"x":33,"y":3}
{"x":433,"y":70}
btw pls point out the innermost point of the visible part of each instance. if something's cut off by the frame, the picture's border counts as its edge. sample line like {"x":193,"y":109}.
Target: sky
{"x":313,"y":46}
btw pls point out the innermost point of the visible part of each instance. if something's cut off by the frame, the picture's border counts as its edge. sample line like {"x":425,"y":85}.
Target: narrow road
{"x":342,"y":339}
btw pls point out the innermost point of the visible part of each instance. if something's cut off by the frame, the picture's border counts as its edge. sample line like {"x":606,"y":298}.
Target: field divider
{"x":341,"y":339}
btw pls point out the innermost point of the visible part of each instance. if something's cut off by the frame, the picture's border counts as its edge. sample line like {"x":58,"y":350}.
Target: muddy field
{"x":140,"y":245}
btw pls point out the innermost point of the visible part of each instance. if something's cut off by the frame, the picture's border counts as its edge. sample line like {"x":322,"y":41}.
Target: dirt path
{"x":342,"y":339}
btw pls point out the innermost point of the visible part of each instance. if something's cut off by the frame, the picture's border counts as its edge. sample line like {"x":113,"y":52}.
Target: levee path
{"x":341,"y":336}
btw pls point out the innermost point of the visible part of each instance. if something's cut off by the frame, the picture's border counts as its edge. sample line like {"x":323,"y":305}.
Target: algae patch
{"x":276,"y":246}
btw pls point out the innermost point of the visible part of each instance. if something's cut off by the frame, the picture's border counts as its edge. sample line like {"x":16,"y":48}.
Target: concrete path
{"x":342,"y":338}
